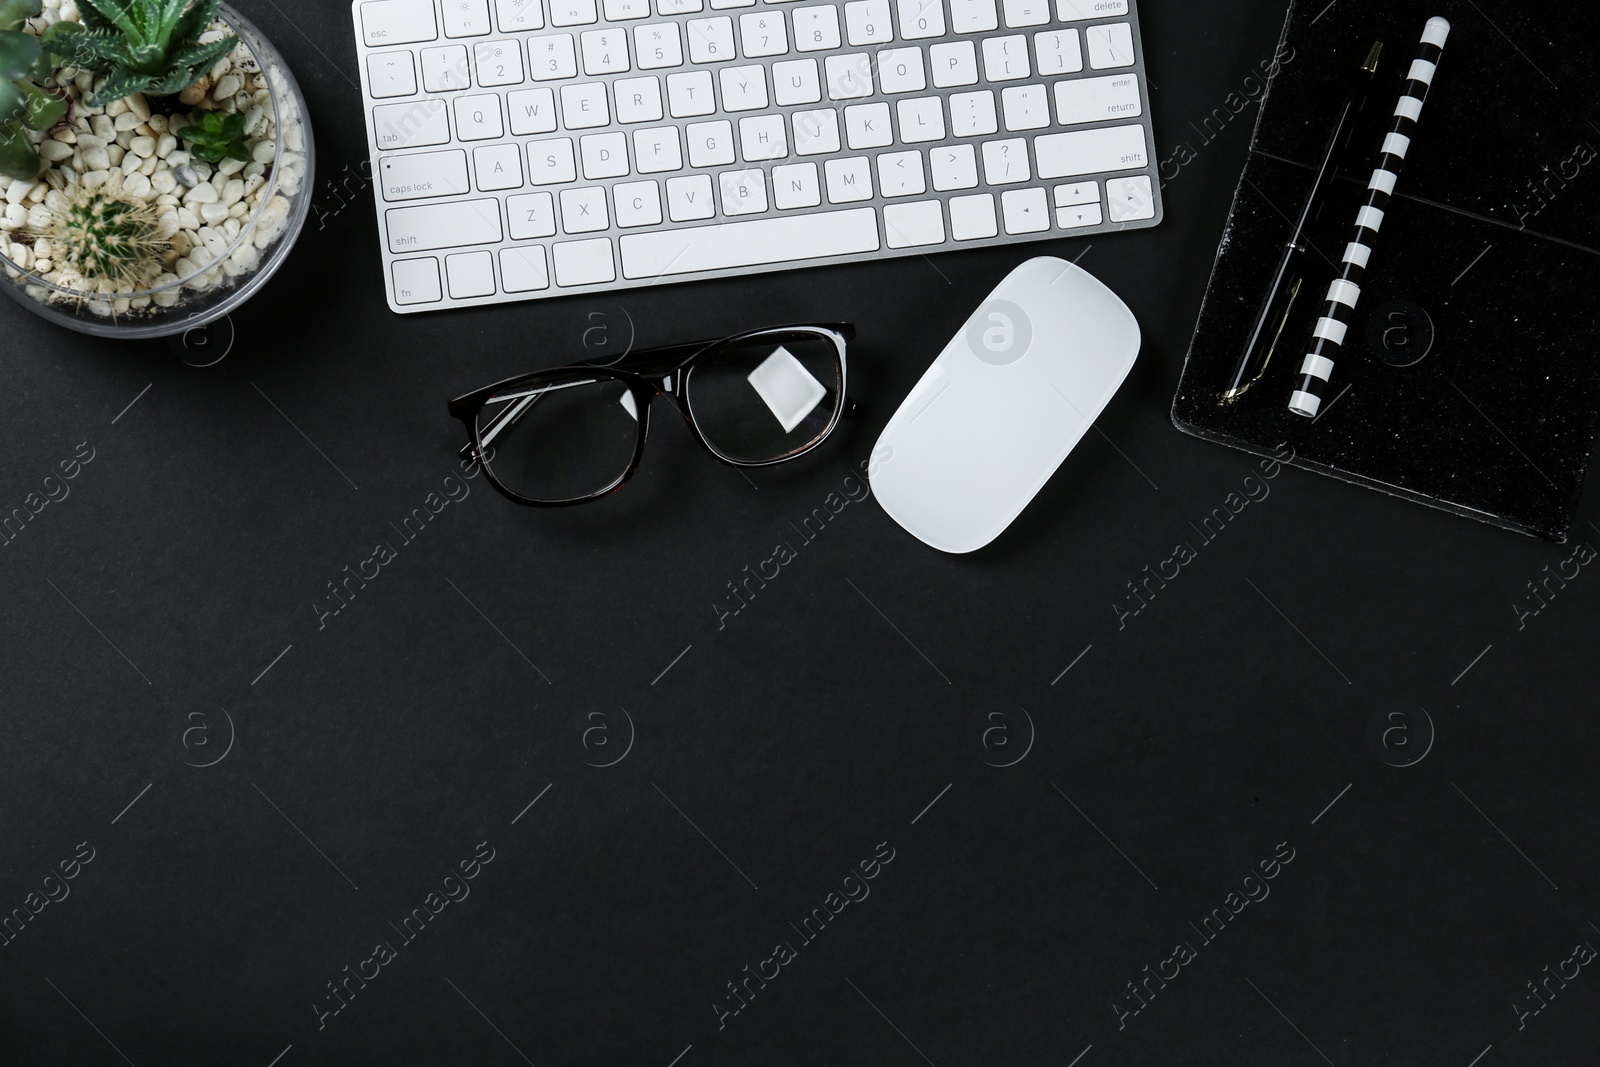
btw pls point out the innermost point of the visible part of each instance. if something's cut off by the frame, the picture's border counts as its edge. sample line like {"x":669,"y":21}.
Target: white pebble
{"x":138,"y":105}
{"x":95,"y":179}
{"x":265,"y":152}
{"x":188,"y":218}
{"x":163,"y":182}
{"x":228,"y":85}
{"x":96,"y":159}
{"x":233,"y":192}
{"x":137,"y":186}
{"x":145,"y":146}
{"x":230,"y":167}
{"x":132,"y":162}
{"x":15,"y":216}
{"x":127,"y":120}
{"x":104,"y":128}
{"x":55,"y":151}
{"x":166,"y":145}
{"x":213,"y":214}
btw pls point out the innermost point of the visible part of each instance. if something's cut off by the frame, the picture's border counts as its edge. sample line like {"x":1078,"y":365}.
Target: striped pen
{"x":1345,"y":292}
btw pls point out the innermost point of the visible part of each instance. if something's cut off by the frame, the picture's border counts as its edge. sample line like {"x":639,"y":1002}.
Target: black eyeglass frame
{"x":662,"y":371}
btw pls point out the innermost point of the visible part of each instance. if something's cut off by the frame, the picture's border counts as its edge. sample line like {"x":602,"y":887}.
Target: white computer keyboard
{"x":536,"y":148}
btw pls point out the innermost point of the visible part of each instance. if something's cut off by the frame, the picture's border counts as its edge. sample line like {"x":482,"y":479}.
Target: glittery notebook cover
{"x":1470,"y":379}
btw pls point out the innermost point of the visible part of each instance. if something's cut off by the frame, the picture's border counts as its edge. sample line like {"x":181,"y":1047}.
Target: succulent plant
{"x":214,"y":136}
{"x":141,"y":46}
{"x":23,"y":105}
{"x":105,"y":238}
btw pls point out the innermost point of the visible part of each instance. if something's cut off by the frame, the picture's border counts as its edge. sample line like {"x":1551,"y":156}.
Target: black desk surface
{"x":1244,"y":721}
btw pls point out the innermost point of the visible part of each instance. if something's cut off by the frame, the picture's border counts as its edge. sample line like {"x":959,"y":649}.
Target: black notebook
{"x":1470,"y":375}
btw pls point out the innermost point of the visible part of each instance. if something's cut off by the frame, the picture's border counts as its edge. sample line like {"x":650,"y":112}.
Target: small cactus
{"x":107,"y":239}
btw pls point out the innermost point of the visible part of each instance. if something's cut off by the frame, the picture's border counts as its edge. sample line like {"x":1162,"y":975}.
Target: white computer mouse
{"x":1010,"y":396}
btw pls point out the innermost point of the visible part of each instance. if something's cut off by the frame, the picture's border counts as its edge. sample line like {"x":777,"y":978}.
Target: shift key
{"x":466,"y":222}
{"x":417,"y":177}
{"x":1063,"y":155}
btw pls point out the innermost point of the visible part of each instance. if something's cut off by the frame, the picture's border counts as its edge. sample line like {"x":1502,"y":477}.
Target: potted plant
{"x":155,"y":161}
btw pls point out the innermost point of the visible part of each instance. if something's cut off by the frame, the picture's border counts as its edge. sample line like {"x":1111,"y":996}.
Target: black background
{"x":173,"y":591}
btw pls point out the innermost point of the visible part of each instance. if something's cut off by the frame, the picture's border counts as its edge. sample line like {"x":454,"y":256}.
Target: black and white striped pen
{"x":1345,"y":292}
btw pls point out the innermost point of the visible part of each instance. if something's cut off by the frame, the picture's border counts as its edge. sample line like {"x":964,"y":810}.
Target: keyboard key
{"x":423,"y":174}
{"x":744,"y":192}
{"x":658,"y":45}
{"x":972,"y":217}
{"x":1026,"y":13}
{"x":781,"y":239}
{"x":497,"y":167}
{"x":1130,"y":199}
{"x":622,"y":10}
{"x":867,"y":22}
{"x":583,"y":106}
{"x":921,"y":119}
{"x":553,"y":57}
{"x":524,"y":270}
{"x":1005,"y":162}
{"x":849,"y":76}
{"x":1098,"y":99}
{"x":605,"y":51}
{"x":1005,"y":58}
{"x":385,"y":22}
{"x":867,"y":126}
{"x":762,"y":33}
{"x":638,"y":99}
{"x":445,"y":68}
{"x":913,"y":225}
{"x":815,"y":132}
{"x":689,"y":94}
{"x":391,"y":74}
{"x":584,"y":262}
{"x":1026,"y":107}
{"x":901,"y":174}
{"x":954,"y":63}
{"x":710,"y":40}
{"x":514,"y":15}
{"x":689,"y":198}
{"x":1082,"y":10}
{"x":973,"y":16}
{"x":720,"y":5}
{"x":710,"y":143}
{"x":796,"y":82}
{"x":466,"y":18}
{"x":498,"y":63}
{"x":416,"y":281}
{"x":761,"y":138}
{"x":657,"y":149}
{"x":533,"y":215}
{"x":900,"y":70}
{"x":1077,"y":193}
{"x":972,"y":114}
{"x":412,"y":125}
{"x":551,"y":162}
{"x":848,"y":179}
{"x":471,"y":275}
{"x":954,"y":167}
{"x":1063,"y":155}
{"x":638,"y":204}
{"x":463,"y":222}
{"x":1110,"y":46}
{"x":921,"y":18}
{"x":816,"y":29}
{"x":1025,"y":210}
{"x":532,"y":111}
{"x":1058,"y":52}
{"x":795,"y":186}
{"x":478,"y":118}
{"x":679,"y":7}
{"x":743,"y":88}
{"x":584,"y":210}
{"x":573,"y":12}
{"x":605,"y":155}
{"x":1079,"y":216}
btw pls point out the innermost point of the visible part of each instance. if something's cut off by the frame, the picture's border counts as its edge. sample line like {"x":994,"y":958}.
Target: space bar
{"x":747,"y":244}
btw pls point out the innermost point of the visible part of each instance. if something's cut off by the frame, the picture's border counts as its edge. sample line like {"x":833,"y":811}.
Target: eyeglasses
{"x":575,"y":434}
